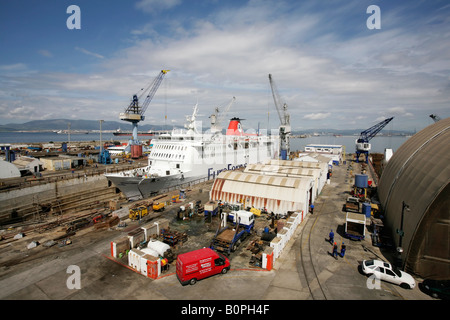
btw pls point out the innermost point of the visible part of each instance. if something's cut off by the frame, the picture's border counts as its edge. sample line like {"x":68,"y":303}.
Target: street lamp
{"x":401,"y":233}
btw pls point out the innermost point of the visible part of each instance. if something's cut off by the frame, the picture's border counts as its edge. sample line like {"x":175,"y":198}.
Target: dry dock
{"x":304,"y":271}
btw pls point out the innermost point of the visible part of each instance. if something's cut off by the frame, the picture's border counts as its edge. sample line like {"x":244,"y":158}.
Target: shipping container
{"x":199,"y":264}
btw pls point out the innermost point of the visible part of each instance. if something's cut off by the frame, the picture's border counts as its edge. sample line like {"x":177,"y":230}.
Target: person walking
{"x":343,"y":247}
{"x":331,"y":236}
{"x":312,"y":208}
{"x":335,"y":251}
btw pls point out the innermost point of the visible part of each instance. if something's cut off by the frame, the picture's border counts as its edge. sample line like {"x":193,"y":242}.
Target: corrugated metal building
{"x":274,"y":170}
{"x":322,"y":166}
{"x":418,"y":174}
{"x":276,"y":194}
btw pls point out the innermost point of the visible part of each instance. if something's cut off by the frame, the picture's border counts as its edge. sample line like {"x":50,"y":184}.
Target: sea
{"x":379,"y":143}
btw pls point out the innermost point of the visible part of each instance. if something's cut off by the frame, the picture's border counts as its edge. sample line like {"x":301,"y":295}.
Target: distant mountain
{"x":62,"y":124}
{"x":347,"y":132}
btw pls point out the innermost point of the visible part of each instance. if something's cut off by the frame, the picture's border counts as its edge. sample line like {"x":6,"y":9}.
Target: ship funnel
{"x":235,"y":128}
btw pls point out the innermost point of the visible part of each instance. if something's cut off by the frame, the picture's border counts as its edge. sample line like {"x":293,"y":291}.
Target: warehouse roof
{"x":273,"y":192}
{"x":286,"y":171}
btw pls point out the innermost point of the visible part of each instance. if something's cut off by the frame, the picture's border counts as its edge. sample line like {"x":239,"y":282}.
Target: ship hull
{"x":140,"y":187}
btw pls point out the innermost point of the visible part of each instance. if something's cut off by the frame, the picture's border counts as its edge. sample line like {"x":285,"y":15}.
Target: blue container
{"x":366,"y":209}
{"x":361,"y":180}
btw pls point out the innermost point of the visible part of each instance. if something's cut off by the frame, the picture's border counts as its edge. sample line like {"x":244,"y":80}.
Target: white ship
{"x":189,"y":155}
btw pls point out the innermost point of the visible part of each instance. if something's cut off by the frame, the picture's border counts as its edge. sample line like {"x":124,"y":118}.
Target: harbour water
{"x":379,"y":143}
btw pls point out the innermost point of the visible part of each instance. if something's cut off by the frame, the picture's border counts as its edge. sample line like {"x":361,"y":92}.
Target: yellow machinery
{"x":255,"y":211}
{"x":158,"y":206}
{"x":138,"y":212}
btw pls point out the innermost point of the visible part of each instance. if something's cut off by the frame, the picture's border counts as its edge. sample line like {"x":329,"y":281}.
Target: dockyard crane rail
{"x":362,"y":143}
{"x":285,"y":127}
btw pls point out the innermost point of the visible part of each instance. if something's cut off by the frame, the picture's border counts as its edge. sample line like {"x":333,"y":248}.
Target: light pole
{"x":101,"y":146}
{"x":401,"y":233}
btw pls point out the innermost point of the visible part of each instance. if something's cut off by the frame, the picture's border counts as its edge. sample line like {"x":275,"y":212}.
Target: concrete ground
{"x":305,"y":270}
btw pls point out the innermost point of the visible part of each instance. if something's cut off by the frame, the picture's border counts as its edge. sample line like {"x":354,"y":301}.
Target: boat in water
{"x":189,"y":155}
{"x":149,"y":133}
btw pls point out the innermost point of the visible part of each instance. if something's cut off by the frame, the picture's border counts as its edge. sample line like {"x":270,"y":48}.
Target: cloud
{"x":326,"y":64}
{"x":89,"y":53}
{"x":317,"y":116}
{"x":13,"y":67}
{"x":399,"y":111}
{"x":153,"y":6}
{"x":45,"y":53}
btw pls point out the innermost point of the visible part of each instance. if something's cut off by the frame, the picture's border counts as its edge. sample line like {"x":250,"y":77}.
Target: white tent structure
{"x":275,"y":193}
{"x":8,"y":170}
{"x":284,"y":171}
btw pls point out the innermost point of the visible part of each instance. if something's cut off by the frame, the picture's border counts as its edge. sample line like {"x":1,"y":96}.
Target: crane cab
{"x":362,"y":145}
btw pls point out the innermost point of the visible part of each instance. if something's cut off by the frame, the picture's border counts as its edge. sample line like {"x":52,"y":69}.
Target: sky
{"x":330,"y":66}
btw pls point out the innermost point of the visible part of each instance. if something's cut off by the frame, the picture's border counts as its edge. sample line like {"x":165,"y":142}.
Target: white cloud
{"x":45,"y":53}
{"x":321,"y":72}
{"x":153,"y":6}
{"x":317,"y":116}
{"x":89,"y":53}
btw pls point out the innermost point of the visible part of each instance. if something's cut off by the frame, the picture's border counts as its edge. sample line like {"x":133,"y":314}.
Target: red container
{"x":136,"y":151}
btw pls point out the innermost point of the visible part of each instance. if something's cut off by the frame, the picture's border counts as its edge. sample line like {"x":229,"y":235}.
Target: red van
{"x":199,"y":264}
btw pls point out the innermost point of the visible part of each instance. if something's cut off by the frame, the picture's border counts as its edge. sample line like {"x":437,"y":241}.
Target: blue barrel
{"x":361,"y":180}
{"x":367,"y":209}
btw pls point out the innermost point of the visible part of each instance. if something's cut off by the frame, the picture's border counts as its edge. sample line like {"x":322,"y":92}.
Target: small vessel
{"x":188,"y":155}
{"x":72,"y":132}
{"x":119,"y":132}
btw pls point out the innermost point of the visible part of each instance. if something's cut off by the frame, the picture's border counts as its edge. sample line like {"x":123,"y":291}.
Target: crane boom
{"x":368,"y":134}
{"x":281,"y":107}
{"x":219,"y":116}
{"x":362,"y":143}
{"x":134,"y":111}
{"x":285,"y":127}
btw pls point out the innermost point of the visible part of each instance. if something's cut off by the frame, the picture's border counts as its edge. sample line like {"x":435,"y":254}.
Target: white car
{"x":385,"y":271}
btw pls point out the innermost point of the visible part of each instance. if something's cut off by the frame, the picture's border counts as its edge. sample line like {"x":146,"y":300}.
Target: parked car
{"x":436,"y":288}
{"x":385,"y":271}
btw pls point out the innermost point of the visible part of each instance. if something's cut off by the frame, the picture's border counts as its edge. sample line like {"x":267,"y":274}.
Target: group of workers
{"x":335,"y":247}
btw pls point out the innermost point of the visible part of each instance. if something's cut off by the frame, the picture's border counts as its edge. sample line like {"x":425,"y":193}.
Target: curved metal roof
{"x":416,"y":174}
{"x":277,"y":194}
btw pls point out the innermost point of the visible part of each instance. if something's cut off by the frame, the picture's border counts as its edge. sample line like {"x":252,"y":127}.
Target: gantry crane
{"x":285,"y":122}
{"x":362,"y":143}
{"x":219,"y":116}
{"x":135,"y":112}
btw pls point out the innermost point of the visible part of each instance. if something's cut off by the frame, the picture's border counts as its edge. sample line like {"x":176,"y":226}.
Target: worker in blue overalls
{"x":331,"y":236}
{"x":335,"y":251}
{"x":343,"y":247}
